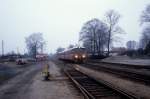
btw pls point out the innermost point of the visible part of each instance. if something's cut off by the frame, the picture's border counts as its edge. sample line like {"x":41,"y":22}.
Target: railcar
{"x":77,"y":55}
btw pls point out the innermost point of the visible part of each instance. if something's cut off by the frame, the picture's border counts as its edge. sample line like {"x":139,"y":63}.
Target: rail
{"x":93,"y":89}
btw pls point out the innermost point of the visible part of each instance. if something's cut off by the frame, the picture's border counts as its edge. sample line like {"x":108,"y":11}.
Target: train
{"x":76,"y":55}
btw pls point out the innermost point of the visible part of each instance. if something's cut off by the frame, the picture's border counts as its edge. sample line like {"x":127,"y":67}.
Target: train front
{"x":80,"y":56}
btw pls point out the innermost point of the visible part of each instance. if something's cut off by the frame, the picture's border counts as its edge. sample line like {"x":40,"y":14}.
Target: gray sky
{"x":61,"y":20}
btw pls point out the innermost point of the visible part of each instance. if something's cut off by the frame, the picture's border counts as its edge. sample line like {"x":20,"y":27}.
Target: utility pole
{"x":18,"y":50}
{"x":2,"y":48}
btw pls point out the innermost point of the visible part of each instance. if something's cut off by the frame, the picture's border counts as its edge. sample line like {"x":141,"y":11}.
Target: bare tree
{"x":88,"y":32}
{"x":145,"y":19}
{"x":70,"y":46}
{"x":147,"y":49}
{"x":145,"y":38}
{"x":93,"y":34}
{"x":102,"y":36}
{"x":60,"y":49}
{"x":34,"y":43}
{"x":112,"y":19}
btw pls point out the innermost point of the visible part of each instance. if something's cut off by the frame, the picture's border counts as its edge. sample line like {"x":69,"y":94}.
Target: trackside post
{"x":46,"y":73}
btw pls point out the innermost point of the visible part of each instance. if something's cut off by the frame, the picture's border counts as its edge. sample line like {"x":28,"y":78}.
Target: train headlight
{"x":76,"y":56}
{"x":83,"y":56}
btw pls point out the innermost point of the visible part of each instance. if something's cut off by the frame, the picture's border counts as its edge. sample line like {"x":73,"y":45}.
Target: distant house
{"x":118,"y":51}
{"x":41,"y":57}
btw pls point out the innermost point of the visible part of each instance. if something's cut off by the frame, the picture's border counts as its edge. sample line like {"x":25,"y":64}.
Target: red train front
{"x":77,"y":55}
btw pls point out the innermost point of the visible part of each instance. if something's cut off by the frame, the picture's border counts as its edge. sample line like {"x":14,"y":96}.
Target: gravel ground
{"x":6,"y":72}
{"x":56,"y":88}
{"x":9,"y":70}
{"x":137,"y":89}
{"x":30,"y":85}
{"x":19,"y":84}
{"x":127,"y":60}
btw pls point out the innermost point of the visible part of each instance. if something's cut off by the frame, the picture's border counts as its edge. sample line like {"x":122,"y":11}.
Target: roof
{"x":66,"y":50}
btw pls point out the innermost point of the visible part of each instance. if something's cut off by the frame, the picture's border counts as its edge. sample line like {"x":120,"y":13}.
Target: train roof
{"x":70,"y":49}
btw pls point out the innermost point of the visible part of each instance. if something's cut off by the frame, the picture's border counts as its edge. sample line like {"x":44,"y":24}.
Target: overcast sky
{"x":60,"y":21}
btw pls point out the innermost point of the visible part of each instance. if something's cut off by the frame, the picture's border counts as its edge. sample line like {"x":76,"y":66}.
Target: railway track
{"x":92,"y":89}
{"x":131,"y":74}
{"x":132,"y":66}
